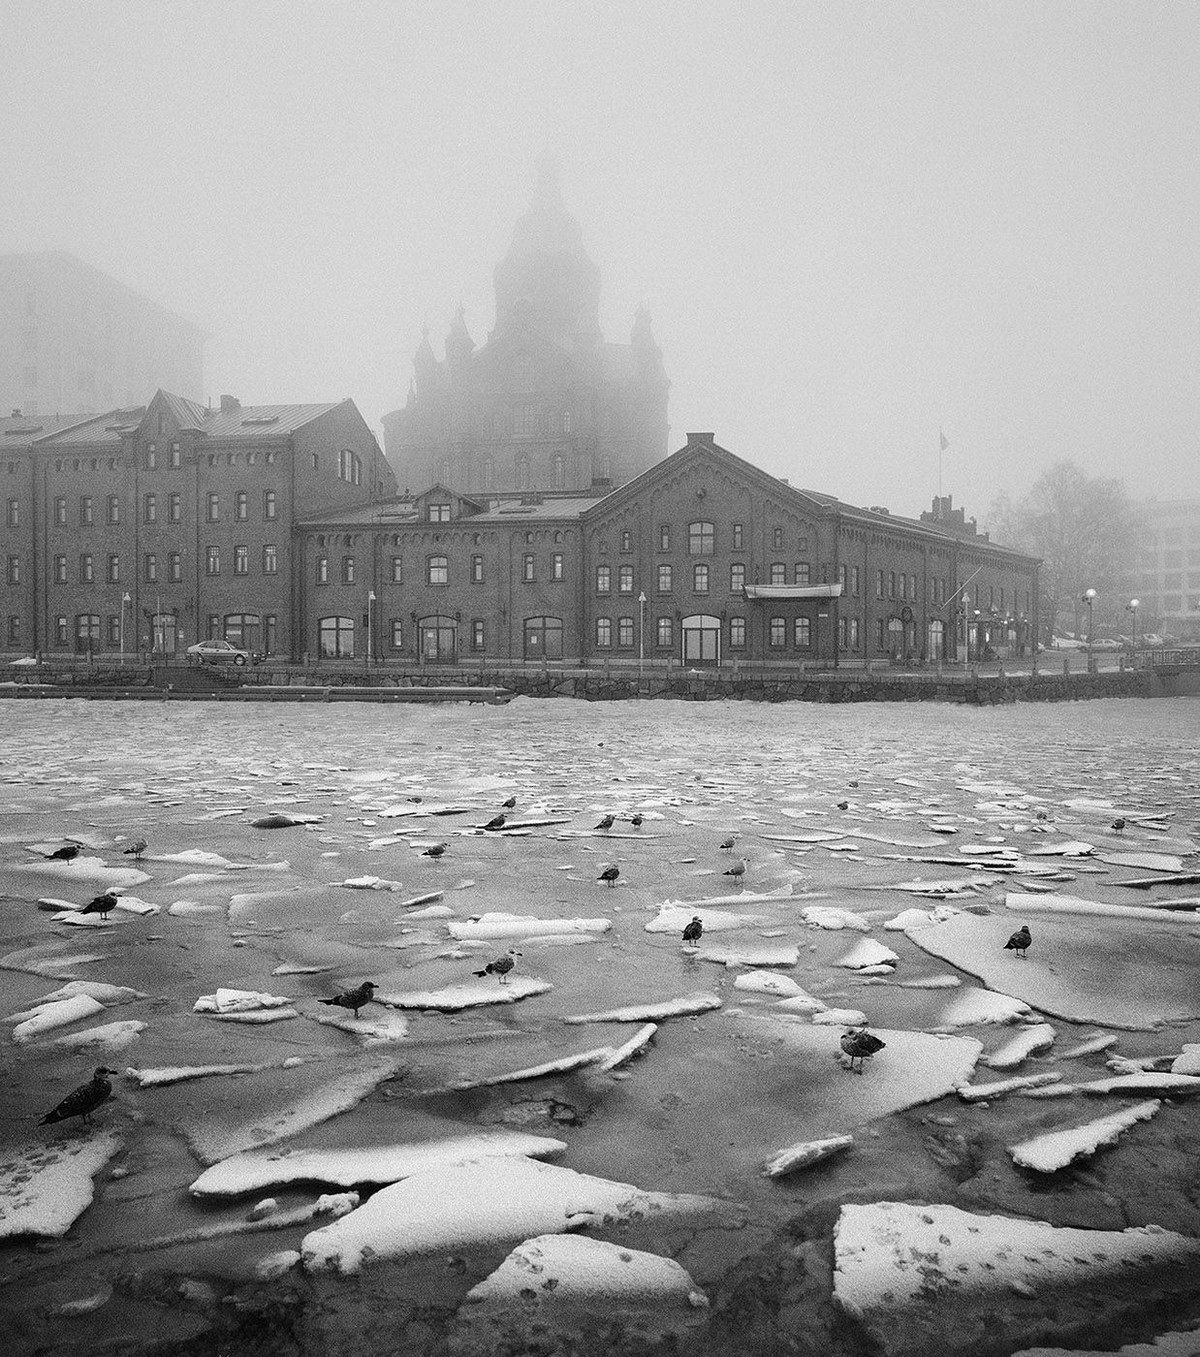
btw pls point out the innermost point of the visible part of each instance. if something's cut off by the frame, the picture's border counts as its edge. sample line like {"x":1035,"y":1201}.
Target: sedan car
{"x":220,"y":652}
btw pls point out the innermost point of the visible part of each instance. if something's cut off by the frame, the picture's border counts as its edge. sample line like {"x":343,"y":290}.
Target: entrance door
{"x":438,"y":640}
{"x":701,"y":639}
{"x":164,"y":633}
{"x":937,"y":641}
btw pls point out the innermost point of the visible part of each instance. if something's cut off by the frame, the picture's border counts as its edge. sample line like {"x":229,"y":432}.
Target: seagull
{"x":610,"y":874}
{"x":501,"y":966}
{"x":354,"y":998}
{"x":136,"y":848}
{"x":510,"y":803}
{"x":102,"y":904}
{"x":435,"y":850}
{"x":607,"y":822}
{"x":66,"y":853}
{"x":738,"y":869}
{"x":1119,"y":823}
{"x":636,"y":821}
{"x":727,"y":844}
{"x":692,"y":931}
{"x":84,"y":1100}
{"x":853,"y":784}
{"x":496,"y":822}
{"x":1019,"y":941}
{"x":843,"y":805}
{"x":858,"y":1044}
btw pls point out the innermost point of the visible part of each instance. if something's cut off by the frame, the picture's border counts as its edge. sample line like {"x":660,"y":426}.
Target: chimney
{"x":229,"y":404}
{"x":694,"y":438}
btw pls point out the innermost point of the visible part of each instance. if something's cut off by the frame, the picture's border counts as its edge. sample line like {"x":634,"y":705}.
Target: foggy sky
{"x":851,"y":223}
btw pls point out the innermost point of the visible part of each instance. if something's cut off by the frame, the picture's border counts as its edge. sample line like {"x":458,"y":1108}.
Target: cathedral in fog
{"x":546,"y":404}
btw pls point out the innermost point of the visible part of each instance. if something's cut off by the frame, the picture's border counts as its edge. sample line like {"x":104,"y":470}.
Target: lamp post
{"x":966,"y":629}
{"x":370,"y":632}
{"x":641,"y":632}
{"x":125,"y":602}
{"x":1131,"y":607}
{"x":1089,"y":597}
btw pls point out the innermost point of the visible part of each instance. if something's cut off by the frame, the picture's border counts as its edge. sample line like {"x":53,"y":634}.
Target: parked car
{"x":1152,"y":638}
{"x":1105,"y":643}
{"x":220,"y":652}
{"x":1066,"y":643}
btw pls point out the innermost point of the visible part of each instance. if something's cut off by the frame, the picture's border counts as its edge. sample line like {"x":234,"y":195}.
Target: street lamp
{"x":966,"y":628}
{"x":1089,"y":597}
{"x":125,"y":602}
{"x":370,"y":633}
{"x":1132,"y":607}
{"x":641,"y":632}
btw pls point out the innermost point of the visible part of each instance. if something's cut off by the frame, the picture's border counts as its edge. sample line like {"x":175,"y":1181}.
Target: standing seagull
{"x":607,"y":822}
{"x":501,"y":966}
{"x":496,"y":822}
{"x":858,"y":1044}
{"x":692,"y":931}
{"x":102,"y":904}
{"x":636,"y":820}
{"x":136,"y":848}
{"x":84,"y":1100}
{"x":66,"y":853}
{"x":738,"y":870}
{"x":1119,"y":823}
{"x":727,"y":844}
{"x":1019,"y":941}
{"x":610,"y":874}
{"x":435,"y":851}
{"x":510,"y":803}
{"x":354,"y":999}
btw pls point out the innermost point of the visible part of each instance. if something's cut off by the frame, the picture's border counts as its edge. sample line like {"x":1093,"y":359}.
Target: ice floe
{"x":974,"y":1007}
{"x":237,"y":1001}
{"x":1151,"y":1081}
{"x":480,"y":1203}
{"x":156,"y":1078}
{"x":1056,"y":1149}
{"x":697,"y":1002}
{"x":377,"y":1030}
{"x":1177,"y":1343}
{"x":805,"y":1153}
{"x":355,"y":1166}
{"x":560,"y":1065}
{"x":1024,"y":902}
{"x":623,"y":1054}
{"x":768,"y":982}
{"x":750,"y":953}
{"x":44,"y":1189}
{"x":468,"y":994}
{"x":868,"y":953}
{"x":498,"y":925}
{"x":830,"y":916}
{"x":1026,"y":1042}
{"x":997,"y":1088}
{"x":109,"y":1036}
{"x":60,"y":1013}
{"x":673,"y":919}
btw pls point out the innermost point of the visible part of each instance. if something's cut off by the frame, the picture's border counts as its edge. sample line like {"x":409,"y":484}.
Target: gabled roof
{"x":188,"y":414}
{"x":108,"y":428}
{"x":19,"y":431}
{"x":263,"y":421}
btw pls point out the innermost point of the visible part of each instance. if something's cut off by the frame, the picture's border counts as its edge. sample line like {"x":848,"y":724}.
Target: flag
{"x":943,"y":440}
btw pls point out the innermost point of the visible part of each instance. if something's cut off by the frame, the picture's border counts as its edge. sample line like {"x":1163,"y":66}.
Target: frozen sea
{"x":844,"y":817}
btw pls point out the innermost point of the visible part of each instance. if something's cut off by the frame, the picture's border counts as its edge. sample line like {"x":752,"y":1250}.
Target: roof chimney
{"x":694,"y":438}
{"x":229,"y":404}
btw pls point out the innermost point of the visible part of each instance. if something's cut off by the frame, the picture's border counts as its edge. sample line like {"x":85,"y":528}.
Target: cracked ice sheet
{"x":480,"y":1203}
{"x":351,"y":1166}
{"x":1083,"y":970}
{"x":45,"y":1188}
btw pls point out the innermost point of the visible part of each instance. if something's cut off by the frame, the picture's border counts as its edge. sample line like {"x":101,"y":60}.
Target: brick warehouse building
{"x":154,"y":527}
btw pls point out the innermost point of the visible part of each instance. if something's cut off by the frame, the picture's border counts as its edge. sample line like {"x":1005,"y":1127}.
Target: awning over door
{"x":767,"y":592}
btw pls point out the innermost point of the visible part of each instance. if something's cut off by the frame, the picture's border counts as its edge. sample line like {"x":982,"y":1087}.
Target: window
{"x":528,"y":567}
{"x":603,"y":579}
{"x":603,"y":632}
{"x":176,"y":456}
{"x":778,"y":572}
{"x":212,"y":561}
{"x":349,"y":466}
{"x":269,"y":505}
{"x":665,"y":631}
{"x":700,"y":579}
{"x":114,"y":570}
{"x":522,"y":473}
{"x":150,"y":567}
{"x":478,"y":634}
{"x":86,"y":516}
{"x":87,"y":571}
{"x":241,"y":506}
{"x":842,"y":575}
{"x":397,"y":570}
{"x":438,"y":570}
{"x":525,"y":421}
{"x":737,"y":577}
{"x":664,"y":538}
{"x":14,"y":570}
{"x":879,"y":589}
{"x":737,"y":633}
{"x":151,"y":457}
{"x":174,"y":508}
{"x":14,"y":629}
{"x":87,"y":631}
{"x":778,"y":633}
{"x":114,"y":509}
{"x":664,"y":579}
{"x":397,"y":641}
{"x":60,"y":630}
{"x":335,"y":637}
{"x":560,"y":472}
{"x":802,"y":633}
{"x":150,"y":509}
{"x":738,"y":543}
{"x":625,"y":580}
{"x":175,"y":567}
{"x":437,"y":513}
{"x":891,"y":584}
{"x":625,"y":631}
{"x":241,"y":560}
{"x":626,"y":540}
{"x":60,"y":510}
{"x":777,"y":538}
{"x":348,"y":568}
{"x":476,"y":569}
{"x":556,"y":566}
{"x":854,"y":581}
{"x":322,"y":564}
{"x":60,"y":569}
{"x":114,"y":629}
{"x":214,"y":506}
{"x":803,"y":573}
{"x":700,"y":539}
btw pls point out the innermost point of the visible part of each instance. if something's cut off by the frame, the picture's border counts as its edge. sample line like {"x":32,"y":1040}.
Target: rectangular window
{"x":603,"y":579}
{"x":174,"y":567}
{"x":778,"y":573}
{"x":174,"y":508}
{"x":738,"y":544}
{"x":478,"y":634}
{"x":666,"y":627}
{"x":626,"y":540}
{"x":151,"y":457}
{"x":842,"y":577}
{"x":241,"y":560}
{"x":556,"y":566}
{"x":701,"y":539}
{"x":241,"y":506}
{"x":737,"y":633}
{"x":269,"y":507}
{"x":625,"y":580}
{"x":150,"y":567}
{"x":114,"y":570}
{"x":270,"y":559}
{"x":176,"y":456}
{"x":777,"y":538}
{"x":891,"y":584}
{"x":87,"y":572}
{"x":212,"y":561}
{"x":322,"y":569}
{"x":397,"y":570}
{"x":86,"y":516}
{"x":625,"y":631}
{"x":438,"y":570}
{"x":778,"y":633}
{"x":14,"y":570}
{"x":60,"y":630}
{"x":854,"y":578}
{"x":214,"y":626}
{"x":348,"y":568}
{"x":528,"y":568}
{"x":603,"y":632}
{"x":114,"y":509}
{"x":114,"y":629}
{"x":60,"y":511}
{"x":60,"y":569}
{"x":801,"y":633}
{"x":664,"y":579}
{"x":14,"y":629}
{"x":438,"y":513}
{"x":664,"y":537}
{"x":150,"y":509}
{"x":214,"y":507}
{"x":803,"y":573}
{"x":737,"y":578}
{"x":476,"y":569}
{"x":397,"y":634}
{"x":700,"y":579}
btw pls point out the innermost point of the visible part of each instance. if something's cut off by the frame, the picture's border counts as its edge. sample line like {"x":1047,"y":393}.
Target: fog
{"x":852,"y":225}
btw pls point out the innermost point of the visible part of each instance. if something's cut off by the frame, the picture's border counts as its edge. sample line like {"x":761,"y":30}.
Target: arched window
{"x":560,"y":471}
{"x":437,"y":638}
{"x":335,"y":637}
{"x":543,"y":638}
{"x":701,"y":639}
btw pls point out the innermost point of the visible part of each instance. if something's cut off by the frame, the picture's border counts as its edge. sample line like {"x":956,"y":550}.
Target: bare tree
{"x":1086,"y":531}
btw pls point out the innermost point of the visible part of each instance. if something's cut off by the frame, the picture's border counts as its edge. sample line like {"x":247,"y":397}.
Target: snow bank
{"x":1057,"y":1149}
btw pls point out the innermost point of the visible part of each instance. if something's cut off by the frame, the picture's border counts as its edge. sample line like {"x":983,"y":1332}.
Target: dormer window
{"x":438,"y":513}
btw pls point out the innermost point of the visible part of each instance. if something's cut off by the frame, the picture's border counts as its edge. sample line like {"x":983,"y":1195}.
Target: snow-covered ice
{"x":45,"y":1188}
{"x":699,"y":1002}
{"x":1056,"y":1149}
